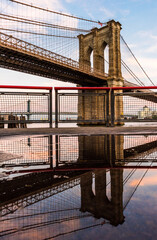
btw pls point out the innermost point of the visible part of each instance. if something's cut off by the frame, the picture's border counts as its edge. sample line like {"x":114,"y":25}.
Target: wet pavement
{"x":81,"y":130}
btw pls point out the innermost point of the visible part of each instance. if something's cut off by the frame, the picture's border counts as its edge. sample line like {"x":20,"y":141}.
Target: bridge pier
{"x":103,"y":150}
{"x":115,"y":104}
{"x":92,"y":107}
{"x":97,"y":111}
{"x":98,"y":203}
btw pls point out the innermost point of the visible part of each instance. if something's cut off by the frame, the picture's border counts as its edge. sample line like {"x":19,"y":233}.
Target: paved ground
{"x":79,"y":131}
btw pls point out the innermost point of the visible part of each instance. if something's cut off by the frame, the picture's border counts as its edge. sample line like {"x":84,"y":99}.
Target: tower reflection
{"x":100,"y":149}
{"x":99,"y":204}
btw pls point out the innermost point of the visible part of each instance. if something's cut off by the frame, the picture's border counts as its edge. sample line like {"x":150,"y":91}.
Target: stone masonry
{"x":93,"y":108}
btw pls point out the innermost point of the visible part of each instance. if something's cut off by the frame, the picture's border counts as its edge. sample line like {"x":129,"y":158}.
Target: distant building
{"x":128,"y":117}
{"x":146,"y":112}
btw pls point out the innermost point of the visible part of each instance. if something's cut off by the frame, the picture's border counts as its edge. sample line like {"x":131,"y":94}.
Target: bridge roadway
{"x":141,"y":150}
{"x":17,"y":193}
{"x":20,"y":192}
{"x":25,"y":57}
{"x":22,"y":56}
{"x":38,"y":191}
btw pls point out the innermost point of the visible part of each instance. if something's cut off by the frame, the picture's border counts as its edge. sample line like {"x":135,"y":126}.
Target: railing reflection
{"x":69,"y":152}
{"x":105,"y":151}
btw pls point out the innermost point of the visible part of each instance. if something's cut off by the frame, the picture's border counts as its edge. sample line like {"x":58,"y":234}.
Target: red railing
{"x":26,"y":87}
{"x":82,"y":88}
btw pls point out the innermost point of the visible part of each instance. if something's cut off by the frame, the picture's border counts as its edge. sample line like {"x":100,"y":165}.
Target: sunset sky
{"x":139,"y":29}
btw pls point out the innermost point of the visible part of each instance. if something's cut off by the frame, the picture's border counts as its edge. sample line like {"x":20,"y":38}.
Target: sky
{"x":139,"y":29}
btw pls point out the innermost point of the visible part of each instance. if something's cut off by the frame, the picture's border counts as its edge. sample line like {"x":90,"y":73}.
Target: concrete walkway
{"x":79,"y":131}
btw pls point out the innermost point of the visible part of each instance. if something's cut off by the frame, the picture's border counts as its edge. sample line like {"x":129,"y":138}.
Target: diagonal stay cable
{"x":136,"y":60}
{"x":132,"y":73}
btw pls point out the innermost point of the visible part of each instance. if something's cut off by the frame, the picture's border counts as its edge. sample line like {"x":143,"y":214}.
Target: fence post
{"x":56,"y":108}
{"x":50,"y":150}
{"x":50,"y":108}
{"x":107,"y":108}
{"x":57,"y":150}
{"x":28,"y":109}
{"x":112,"y":108}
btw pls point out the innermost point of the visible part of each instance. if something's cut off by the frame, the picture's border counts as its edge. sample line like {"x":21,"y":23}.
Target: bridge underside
{"x":148,"y":95}
{"x":19,"y":61}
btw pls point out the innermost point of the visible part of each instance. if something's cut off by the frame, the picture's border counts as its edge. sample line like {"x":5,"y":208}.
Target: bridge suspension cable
{"x":62,"y":27}
{"x":39,"y":23}
{"x":36,"y":33}
{"x":130,"y":72}
{"x":136,"y":60}
{"x":137,"y":186}
{"x":51,"y":30}
{"x":55,"y":12}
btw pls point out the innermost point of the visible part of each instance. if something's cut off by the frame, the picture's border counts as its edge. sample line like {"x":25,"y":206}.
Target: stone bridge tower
{"x":97,"y":40}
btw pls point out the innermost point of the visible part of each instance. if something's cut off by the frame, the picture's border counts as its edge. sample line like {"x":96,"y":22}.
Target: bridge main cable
{"x":59,"y":13}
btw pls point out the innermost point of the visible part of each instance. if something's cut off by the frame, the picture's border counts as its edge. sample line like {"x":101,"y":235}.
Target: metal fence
{"x":138,"y":104}
{"x":106,"y":106}
{"x":18,"y":108}
{"x":82,"y":105}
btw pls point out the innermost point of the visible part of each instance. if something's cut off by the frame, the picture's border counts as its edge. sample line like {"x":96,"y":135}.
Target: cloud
{"x":53,"y":4}
{"x":147,"y":181}
{"x":111,"y":14}
{"x":150,"y":41}
{"x":147,"y":34}
{"x":152,"y":49}
{"x":108,"y":13}
{"x":145,"y":51}
{"x":149,"y":64}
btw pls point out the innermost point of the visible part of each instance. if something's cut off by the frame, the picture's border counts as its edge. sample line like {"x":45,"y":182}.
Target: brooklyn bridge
{"x":67,"y":181}
{"x":88,"y":55}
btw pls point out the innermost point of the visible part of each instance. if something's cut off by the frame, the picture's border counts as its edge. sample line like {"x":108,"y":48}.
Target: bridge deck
{"x":22,"y":56}
{"x":80,"y":131}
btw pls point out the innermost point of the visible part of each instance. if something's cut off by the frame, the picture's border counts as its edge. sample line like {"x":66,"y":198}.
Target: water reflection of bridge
{"x":99,"y":193}
{"x":98,"y":202}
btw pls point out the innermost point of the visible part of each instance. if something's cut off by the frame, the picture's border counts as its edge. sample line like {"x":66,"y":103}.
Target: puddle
{"x":78,"y":187}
